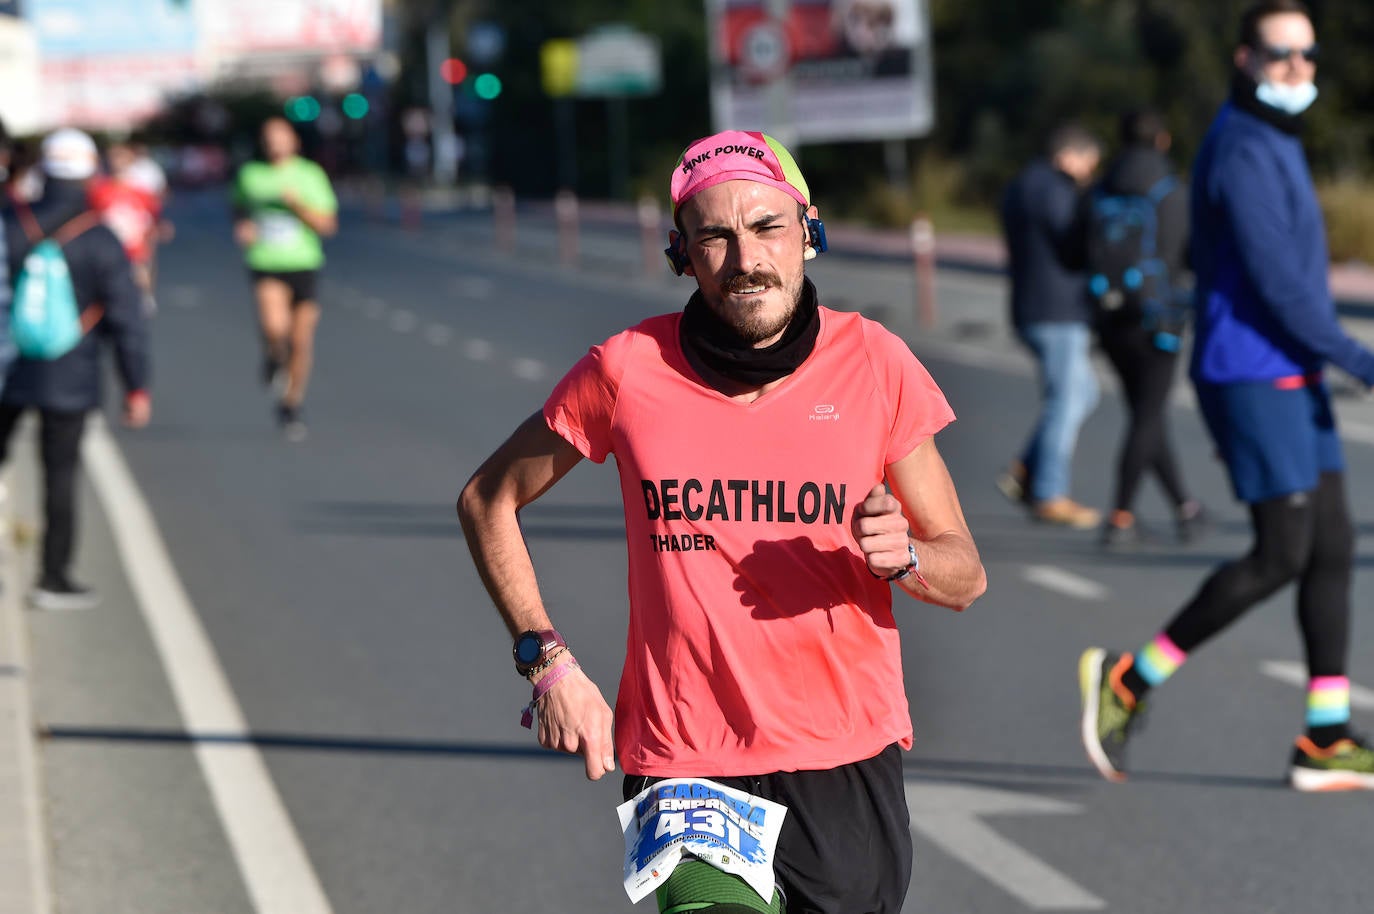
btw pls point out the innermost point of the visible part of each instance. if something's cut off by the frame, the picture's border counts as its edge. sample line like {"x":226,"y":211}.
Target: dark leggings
{"x":60,"y":446}
{"x":1147,"y":376}
{"x":1305,"y":537}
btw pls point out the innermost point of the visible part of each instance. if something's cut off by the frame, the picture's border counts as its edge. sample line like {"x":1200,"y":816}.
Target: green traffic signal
{"x":302,"y":108}
{"x":355,"y":106}
{"x":487,"y":86}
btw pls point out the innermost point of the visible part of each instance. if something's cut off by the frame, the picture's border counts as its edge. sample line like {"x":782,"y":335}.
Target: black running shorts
{"x":845,"y":846}
{"x":302,"y":283}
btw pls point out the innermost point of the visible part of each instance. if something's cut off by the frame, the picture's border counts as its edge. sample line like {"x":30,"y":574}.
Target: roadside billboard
{"x":109,"y":65}
{"x":21,"y":102}
{"x":241,"y":27}
{"x":827,"y":70}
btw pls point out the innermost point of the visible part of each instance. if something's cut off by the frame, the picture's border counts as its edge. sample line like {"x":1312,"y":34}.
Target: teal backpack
{"x":45,"y":319}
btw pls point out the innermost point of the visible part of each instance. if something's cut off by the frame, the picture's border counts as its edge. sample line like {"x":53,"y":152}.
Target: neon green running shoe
{"x":1347,"y":764}
{"x":1110,"y":712}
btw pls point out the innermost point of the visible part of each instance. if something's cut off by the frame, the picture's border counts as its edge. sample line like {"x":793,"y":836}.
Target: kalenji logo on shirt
{"x":824,"y":412}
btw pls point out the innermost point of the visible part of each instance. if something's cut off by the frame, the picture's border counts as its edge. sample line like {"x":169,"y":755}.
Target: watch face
{"x":528,"y":648}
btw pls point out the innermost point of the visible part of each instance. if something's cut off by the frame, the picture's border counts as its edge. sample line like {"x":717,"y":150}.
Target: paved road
{"x":334,"y":728}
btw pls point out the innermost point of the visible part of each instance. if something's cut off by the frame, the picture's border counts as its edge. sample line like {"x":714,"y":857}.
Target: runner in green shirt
{"x":283,"y":206}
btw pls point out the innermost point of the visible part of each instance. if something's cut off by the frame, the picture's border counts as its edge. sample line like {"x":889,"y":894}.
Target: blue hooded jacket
{"x":1258,"y":244}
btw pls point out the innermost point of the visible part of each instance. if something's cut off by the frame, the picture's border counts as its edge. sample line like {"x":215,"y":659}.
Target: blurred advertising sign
{"x":617,"y":60}
{"x":232,"y":27}
{"x":824,"y":70}
{"x":21,"y":101}
{"x":611,"y":61}
{"x":109,"y":65}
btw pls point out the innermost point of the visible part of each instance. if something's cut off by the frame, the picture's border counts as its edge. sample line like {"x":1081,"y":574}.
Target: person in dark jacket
{"x":65,"y":389}
{"x":1266,"y":326}
{"x":1143,"y":348}
{"x":1051,"y":315}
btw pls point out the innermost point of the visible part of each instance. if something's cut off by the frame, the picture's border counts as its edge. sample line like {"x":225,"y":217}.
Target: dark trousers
{"x":1305,"y":537}
{"x":60,"y":446}
{"x":1147,"y":376}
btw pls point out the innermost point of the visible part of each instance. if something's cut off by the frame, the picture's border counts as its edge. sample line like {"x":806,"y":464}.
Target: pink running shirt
{"x":758,"y":641}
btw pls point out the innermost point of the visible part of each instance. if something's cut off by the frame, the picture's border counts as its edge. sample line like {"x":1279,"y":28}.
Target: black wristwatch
{"x":531,"y":648}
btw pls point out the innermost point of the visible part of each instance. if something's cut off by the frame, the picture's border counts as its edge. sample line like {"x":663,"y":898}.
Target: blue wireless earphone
{"x":676,"y":251}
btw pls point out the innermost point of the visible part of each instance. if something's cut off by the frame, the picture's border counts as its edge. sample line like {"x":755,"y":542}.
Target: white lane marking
{"x":1065,"y":582}
{"x":528,"y":369}
{"x":438,"y":334}
{"x":403,"y":321}
{"x":1357,"y":431}
{"x":473,"y":287}
{"x":477,"y":350}
{"x":275,"y":867}
{"x":375,"y":307}
{"x":1295,"y":673}
{"x":948,"y":815}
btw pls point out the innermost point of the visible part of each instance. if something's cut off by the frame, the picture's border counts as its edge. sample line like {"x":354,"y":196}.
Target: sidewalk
{"x":24,"y":877}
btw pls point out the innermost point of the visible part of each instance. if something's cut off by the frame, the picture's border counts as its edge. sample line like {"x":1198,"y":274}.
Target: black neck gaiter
{"x":717,"y":345}
{"x":1243,"y":97}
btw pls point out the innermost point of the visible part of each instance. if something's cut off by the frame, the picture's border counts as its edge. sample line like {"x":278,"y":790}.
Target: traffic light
{"x":453,"y":71}
{"x":355,"y":106}
{"x":302,"y":108}
{"x":487,"y":86}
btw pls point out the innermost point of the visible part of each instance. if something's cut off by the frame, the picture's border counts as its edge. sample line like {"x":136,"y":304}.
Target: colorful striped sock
{"x":1159,"y":659}
{"x":1328,"y":701}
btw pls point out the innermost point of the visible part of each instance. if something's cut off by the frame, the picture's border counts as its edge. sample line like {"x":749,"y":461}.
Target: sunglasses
{"x":1277,"y":53}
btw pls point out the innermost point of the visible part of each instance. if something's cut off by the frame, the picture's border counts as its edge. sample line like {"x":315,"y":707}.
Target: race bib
{"x":276,"y":228}
{"x":733,"y":831}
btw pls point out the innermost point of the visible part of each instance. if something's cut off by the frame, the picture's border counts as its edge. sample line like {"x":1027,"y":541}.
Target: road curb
{"x":24,"y":870}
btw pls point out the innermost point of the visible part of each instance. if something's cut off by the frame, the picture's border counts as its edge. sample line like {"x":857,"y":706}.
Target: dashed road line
{"x":375,"y":307}
{"x":438,"y":334}
{"x":528,"y":369}
{"x":1067,"y":583}
{"x":478,"y":350}
{"x":1295,"y":674}
{"x":403,"y":321}
{"x":473,"y":287}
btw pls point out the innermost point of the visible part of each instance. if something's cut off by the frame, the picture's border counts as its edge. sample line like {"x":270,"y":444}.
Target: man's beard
{"x":752,"y":323}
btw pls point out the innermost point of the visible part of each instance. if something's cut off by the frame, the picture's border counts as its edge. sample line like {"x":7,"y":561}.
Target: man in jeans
{"x":1051,"y":314}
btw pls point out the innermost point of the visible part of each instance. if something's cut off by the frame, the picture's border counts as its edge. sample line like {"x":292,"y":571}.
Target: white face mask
{"x":1287,"y":98}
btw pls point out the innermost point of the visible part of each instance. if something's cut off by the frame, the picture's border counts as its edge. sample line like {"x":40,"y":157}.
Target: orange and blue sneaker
{"x":1110,"y":711}
{"x":1347,"y":764}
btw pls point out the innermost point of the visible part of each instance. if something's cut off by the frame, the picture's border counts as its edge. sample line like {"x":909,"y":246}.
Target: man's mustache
{"x":751,"y":280}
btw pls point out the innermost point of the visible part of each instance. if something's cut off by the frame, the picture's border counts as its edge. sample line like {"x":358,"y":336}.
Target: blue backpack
{"x":1126,"y":277}
{"x":45,"y":318}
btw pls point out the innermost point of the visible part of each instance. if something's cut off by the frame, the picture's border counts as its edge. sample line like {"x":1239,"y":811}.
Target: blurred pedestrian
{"x":133,"y":211}
{"x":283,"y":205}
{"x":1135,"y":239}
{"x":65,"y":388}
{"x":1052,"y":317}
{"x":756,"y":433}
{"x":1266,"y":326}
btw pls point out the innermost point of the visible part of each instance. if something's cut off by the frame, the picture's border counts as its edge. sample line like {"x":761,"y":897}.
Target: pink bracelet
{"x":542,"y":686}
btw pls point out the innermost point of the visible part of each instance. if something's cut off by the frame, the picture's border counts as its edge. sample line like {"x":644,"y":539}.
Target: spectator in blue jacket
{"x":1052,"y":317}
{"x":64,"y":390}
{"x":1266,"y":326}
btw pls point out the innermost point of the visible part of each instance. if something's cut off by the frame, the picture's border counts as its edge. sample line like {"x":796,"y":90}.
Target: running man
{"x":763,"y":652}
{"x":283,"y":207}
